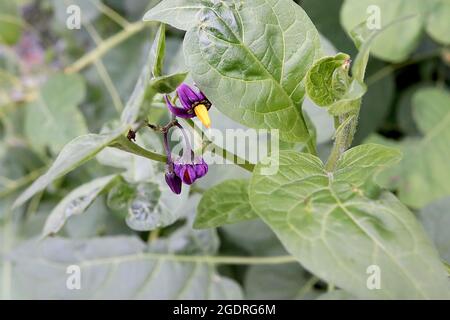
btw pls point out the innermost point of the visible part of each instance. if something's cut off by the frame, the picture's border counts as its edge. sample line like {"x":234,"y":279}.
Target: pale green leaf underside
{"x":74,"y":154}
{"x":337,"y":233}
{"x":113,"y":268}
{"x":251,"y":62}
{"x":75,"y":203}
{"x":422,"y":176}
{"x":180,"y":14}
{"x":225,"y":203}
{"x":431,"y":15}
{"x":438,"y":23}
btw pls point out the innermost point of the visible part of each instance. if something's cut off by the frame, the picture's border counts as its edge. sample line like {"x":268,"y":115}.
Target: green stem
{"x":344,"y":138}
{"x":124,"y":144}
{"x":232,"y":260}
{"x":311,"y":147}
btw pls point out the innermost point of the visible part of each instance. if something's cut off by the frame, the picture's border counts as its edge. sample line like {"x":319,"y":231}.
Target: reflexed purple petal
{"x":179,"y":112}
{"x":174,"y":182}
{"x":201,"y":169}
{"x":187,"y":96}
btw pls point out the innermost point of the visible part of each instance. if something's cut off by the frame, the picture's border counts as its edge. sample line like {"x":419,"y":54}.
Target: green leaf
{"x":151,"y":81}
{"x":279,"y":282}
{"x":113,"y":268}
{"x":73,"y":155}
{"x":145,"y":90}
{"x":438,"y":22}
{"x":351,"y":101}
{"x":422,"y":175}
{"x":256,"y":79}
{"x":268,"y":77}
{"x":155,"y":206}
{"x":180,"y":14}
{"x":120,"y":195}
{"x":10,"y":22}
{"x":225,"y":203}
{"x":54,"y":119}
{"x":335,"y":231}
{"x":76,"y":202}
{"x":157,"y":51}
{"x":387,"y":46}
{"x":327,"y":81}
{"x":360,"y":163}
{"x":436,"y":218}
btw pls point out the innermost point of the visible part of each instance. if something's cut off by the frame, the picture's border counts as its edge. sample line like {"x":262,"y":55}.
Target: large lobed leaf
{"x":327,"y":222}
{"x":113,"y":268}
{"x":249,"y":58}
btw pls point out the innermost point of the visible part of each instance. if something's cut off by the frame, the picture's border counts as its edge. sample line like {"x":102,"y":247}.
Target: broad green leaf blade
{"x":363,"y":162}
{"x":327,"y":81}
{"x":337,"y":233}
{"x":54,"y":119}
{"x":422,"y":176}
{"x":438,"y":23}
{"x":73,"y":155}
{"x":10,"y":22}
{"x":76,"y":203}
{"x":436,"y":218}
{"x":113,"y":268}
{"x":387,"y":46}
{"x":181,"y":14}
{"x":251,"y":60}
{"x":225,"y":203}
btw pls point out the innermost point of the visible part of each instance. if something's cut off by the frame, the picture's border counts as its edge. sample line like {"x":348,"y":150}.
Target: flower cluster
{"x":187,"y":168}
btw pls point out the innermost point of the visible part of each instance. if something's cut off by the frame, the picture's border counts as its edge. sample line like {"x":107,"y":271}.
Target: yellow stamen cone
{"x":202,"y":113}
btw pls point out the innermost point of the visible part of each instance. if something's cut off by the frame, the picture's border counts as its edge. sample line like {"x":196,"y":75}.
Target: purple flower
{"x":172,"y":180}
{"x":186,"y":168}
{"x":191,"y":171}
{"x":194,"y":103}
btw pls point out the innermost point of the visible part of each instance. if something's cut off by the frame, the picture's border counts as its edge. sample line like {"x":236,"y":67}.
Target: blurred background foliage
{"x":57,"y":84}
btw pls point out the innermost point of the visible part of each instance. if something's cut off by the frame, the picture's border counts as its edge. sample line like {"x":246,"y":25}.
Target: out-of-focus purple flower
{"x":30,"y":51}
{"x":194,"y":103}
